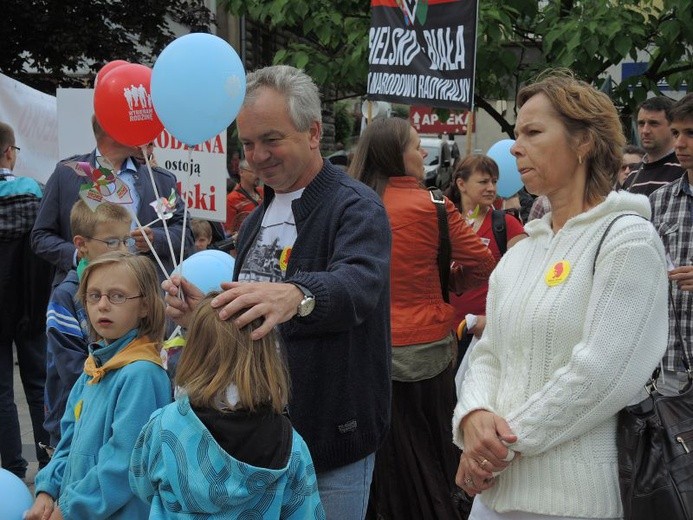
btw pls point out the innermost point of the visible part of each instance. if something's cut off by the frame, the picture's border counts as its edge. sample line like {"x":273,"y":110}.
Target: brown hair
{"x":83,"y":220}
{"x":379,"y":154}
{"x":144,"y":274}
{"x":201,"y":227}
{"x":589,"y":117}
{"x":218,"y":354}
{"x":682,"y":110}
{"x":6,"y":137}
{"x":465,"y":169}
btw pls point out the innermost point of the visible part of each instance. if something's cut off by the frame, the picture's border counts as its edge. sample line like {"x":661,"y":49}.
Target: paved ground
{"x":27,"y":432}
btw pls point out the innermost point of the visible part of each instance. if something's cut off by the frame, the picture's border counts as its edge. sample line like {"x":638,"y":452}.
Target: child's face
{"x":92,"y":247}
{"x":202,"y":242}
{"x":113,"y":321}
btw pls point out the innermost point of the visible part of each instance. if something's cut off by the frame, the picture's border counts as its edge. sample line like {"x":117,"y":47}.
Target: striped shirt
{"x":672,"y":216}
{"x":653,"y":175}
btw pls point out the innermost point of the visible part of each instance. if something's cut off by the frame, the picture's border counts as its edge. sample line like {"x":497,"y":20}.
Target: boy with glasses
{"x":97,"y":232}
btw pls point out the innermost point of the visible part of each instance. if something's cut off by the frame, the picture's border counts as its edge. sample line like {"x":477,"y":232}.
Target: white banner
{"x":206,"y":164}
{"x":33,"y":116}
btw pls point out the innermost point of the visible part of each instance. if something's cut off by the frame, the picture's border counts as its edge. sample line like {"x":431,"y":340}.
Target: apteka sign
{"x":421,"y":52}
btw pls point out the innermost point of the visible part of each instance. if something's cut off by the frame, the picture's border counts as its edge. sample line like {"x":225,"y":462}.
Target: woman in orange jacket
{"x":415,"y":467}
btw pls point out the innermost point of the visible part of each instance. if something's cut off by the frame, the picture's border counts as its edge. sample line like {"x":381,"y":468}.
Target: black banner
{"x":421,"y":52}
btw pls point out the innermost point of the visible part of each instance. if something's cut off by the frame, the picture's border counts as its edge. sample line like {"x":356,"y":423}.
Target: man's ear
{"x":315,"y":130}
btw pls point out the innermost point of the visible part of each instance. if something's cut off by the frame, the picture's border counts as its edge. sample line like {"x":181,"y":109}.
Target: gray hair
{"x":300,"y":91}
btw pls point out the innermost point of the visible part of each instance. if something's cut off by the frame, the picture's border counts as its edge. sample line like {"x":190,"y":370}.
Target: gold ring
{"x":468,"y":481}
{"x":483,"y":463}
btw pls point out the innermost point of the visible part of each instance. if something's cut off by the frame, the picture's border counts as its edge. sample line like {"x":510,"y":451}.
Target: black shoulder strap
{"x":444,"y":249}
{"x":500,"y":233}
{"x":606,"y":232}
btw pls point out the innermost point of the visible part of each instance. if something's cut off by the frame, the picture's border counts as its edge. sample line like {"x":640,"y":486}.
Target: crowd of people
{"x":320,"y":381}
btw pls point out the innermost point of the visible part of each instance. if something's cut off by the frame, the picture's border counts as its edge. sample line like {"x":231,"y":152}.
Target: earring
{"x":579,"y":159}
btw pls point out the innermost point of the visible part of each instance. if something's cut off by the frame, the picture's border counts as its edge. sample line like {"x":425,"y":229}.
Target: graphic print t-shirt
{"x":269,"y":256}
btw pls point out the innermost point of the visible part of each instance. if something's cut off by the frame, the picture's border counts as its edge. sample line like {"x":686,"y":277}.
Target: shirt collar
{"x":129,"y":164}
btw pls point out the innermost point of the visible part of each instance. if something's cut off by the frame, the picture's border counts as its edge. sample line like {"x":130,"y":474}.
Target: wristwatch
{"x":307,"y":304}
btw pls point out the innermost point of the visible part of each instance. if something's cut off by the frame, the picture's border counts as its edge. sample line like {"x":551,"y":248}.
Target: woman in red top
{"x":244,"y":198}
{"x":415,"y":467}
{"x":473,"y":191}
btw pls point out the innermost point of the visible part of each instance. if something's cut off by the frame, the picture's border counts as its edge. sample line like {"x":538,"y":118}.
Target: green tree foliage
{"x":516,"y":39}
{"x":51,"y":43}
{"x":343,"y":122}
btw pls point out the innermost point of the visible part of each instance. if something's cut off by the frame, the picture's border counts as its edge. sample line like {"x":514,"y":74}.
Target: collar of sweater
{"x":616,"y":202}
{"x":669,"y":158}
{"x":103,"y":352}
{"x":314,"y":193}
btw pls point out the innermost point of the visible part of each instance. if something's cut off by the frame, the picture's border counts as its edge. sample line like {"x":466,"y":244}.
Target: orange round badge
{"x":557,"y":273}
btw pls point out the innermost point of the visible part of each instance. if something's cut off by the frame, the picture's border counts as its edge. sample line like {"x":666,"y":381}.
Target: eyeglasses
{"x":13,"y":147}
{"x":630,"y":166}
{"x":114,"y":243}
{"x":115,"y":298}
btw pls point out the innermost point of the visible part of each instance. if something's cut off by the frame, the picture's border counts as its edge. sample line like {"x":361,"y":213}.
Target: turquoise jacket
{"x":88,"y":473}
{"x":180,"y":469}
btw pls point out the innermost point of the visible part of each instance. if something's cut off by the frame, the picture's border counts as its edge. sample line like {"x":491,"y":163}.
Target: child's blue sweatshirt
{"x":88,"y":473}
{"x":180,"y":469}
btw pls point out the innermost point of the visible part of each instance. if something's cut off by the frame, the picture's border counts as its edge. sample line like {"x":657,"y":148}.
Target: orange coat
{"x":418,"y":312}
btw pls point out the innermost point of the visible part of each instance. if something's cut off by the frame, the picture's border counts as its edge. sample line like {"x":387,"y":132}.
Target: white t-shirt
{"x":269,"y":256}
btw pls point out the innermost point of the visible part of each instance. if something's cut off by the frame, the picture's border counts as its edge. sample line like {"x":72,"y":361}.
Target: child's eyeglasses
{"x":114,"y":243}
{"x":114,"y":298}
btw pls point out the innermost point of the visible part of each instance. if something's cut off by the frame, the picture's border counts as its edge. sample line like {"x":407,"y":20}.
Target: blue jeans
{"x":344,"y":491}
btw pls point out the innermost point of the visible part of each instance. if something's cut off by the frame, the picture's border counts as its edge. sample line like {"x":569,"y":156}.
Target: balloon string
{"x":186,"y":190}
{"x":156,"y":194}
{"x":151,"y":248}
{"x":152,"y":222}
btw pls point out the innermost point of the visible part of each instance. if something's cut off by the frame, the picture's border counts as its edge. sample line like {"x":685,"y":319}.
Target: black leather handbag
{"x":655,"y":457}
{"x":655,"y":451}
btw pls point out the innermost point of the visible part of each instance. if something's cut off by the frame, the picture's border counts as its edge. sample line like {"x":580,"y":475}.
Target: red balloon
{"x":123,"y":105}
{"x":109,"y":66}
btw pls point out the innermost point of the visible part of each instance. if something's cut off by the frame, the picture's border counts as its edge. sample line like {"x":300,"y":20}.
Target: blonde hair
{"x":218,"y":354}
{"x":589,"y":116}
{"x":83,"y":220}
{"x":144,"y":274}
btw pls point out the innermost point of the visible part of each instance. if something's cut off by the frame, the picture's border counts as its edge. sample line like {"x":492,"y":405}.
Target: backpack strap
{"x":500,"y":233}
{"x":444,"y":248}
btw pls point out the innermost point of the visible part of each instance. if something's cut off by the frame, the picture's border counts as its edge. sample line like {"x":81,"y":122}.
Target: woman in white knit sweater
{"x":573,"y":329}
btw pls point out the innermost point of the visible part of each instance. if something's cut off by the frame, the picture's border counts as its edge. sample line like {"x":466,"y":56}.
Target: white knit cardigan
{"x":558,"y":362}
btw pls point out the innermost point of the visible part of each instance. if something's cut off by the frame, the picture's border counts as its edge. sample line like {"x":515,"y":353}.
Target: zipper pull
{"x":683,"y":443}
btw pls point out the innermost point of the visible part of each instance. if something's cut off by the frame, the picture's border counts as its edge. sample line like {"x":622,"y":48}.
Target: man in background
{"x":24,"y":291}
{"x":659,"y":166}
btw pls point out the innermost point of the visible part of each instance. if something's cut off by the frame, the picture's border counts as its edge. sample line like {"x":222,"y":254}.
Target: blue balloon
{"x":208,"y":269}
{"x":198,"y":86}
{"x":509,"y":181}
{"x":15,"y":497}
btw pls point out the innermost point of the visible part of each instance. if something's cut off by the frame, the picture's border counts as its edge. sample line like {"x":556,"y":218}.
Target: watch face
{"x":306,"y":306}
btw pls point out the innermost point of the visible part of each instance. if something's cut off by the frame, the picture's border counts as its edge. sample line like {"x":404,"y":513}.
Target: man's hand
{"x":683,"y":276}
{"x":275,"y":303}
{"x":42,"y":508}
{"x":140,"y":242}
{"x":177,"y":308}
